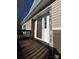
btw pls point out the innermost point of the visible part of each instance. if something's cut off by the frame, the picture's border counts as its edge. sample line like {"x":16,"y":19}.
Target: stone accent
{"x":57,"y":39}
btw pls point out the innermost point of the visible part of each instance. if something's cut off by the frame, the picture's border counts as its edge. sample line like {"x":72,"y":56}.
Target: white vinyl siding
{"x":56,"y":14}
{"x":27,"y":24}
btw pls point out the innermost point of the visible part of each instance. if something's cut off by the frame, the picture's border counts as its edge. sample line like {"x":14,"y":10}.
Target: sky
{"x":23,"y":7}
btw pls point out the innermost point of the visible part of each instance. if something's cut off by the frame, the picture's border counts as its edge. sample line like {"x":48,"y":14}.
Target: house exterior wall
{"x":27,"y":25}
{"x":55,"y":25}
{"x":56,"y":14}
{"x":24,"y":26}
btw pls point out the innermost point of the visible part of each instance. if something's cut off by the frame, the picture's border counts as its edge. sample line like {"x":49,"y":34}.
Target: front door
{"x":45,"y":29}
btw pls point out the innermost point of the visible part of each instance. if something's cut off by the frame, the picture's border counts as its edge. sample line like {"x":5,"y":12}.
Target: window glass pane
{"x":39,"y":28}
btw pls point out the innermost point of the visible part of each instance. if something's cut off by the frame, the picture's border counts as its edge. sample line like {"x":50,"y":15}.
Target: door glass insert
{"x":45,"y":23}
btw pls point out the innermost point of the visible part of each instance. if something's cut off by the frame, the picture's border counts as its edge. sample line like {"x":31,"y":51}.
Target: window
{"x":39,"y":28}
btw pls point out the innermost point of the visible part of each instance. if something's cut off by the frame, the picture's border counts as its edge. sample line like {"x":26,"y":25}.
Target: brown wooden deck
{"x":30,"y":48}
